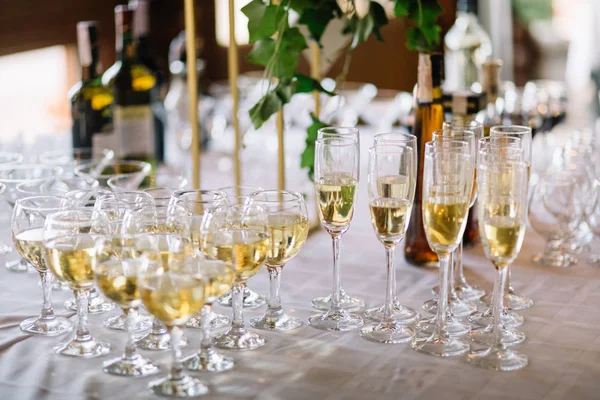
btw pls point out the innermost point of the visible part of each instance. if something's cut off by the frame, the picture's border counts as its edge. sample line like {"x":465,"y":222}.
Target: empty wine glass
{"x":336,"y":176}
{"x":239,"y":195}
{"x":592,"y":217}
{"x":7,"y":158}
{"x":447,"y":191}
{"x":10,"y":176}
{"x":402,"y":314}
{"x":27,"y":226}
{"x":347,"y":302}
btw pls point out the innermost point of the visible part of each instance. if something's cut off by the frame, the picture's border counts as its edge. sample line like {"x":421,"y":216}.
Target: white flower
{"x":362,"y":7}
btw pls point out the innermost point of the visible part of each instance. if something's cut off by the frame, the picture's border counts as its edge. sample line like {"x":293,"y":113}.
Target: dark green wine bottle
{"x":90,"y":101}
{"x":132,"y":85}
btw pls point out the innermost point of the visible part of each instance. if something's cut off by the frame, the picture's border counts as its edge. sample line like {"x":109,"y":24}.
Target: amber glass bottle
{"x":429,"y":117}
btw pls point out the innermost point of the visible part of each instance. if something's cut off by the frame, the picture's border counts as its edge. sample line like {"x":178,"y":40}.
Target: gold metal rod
{"x":280,"y":151}
{"x":192,"y":78}
{"x":233,"y":67}
{"x":315,"y":73}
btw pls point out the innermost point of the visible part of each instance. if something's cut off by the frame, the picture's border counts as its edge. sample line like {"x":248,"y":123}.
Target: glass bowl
{"x":158,"y":180}
{"x":135,"y":170}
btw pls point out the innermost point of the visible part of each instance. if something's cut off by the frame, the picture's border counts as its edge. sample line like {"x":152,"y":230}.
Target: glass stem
{"x":440,"y":316}
{"x":176,"y":366}
{"x":47,"y":310}
{"x":337,"y":280}
{"x":451,"y":268}
{"x":459,"y":272}
{"x":157,"y":327}
{"x":237,"y":299}
{"x":93,"y":293}
{"x":130,"y":322}
{"x":390,"y":289}
{"x":507,"y":288}
{"x":274,"y":310}
{"x":82,"y":334}
{"x":498,"y":303}
{"x":205,"y":315}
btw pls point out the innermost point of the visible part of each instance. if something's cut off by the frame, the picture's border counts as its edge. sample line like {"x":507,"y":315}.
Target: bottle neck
{"x":90,"y":72}
{"x":126,"y":51}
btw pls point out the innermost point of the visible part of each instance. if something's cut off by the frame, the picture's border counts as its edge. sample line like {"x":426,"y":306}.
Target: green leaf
{"x":285,"y":90}
{"x":416,"y":40}
{"x":379,"y":19}
{"x":300,"y":5}
{"x":307,"y":159}
{"x":267,"y":106}
{"x":263,"y":20}
{"x":316,"y":20}
{"x":401,"y":8}
{"x":262,"y":51}
{"x":292,"y":44}
{"x":363,"y":29}
{"x":306,"y":84}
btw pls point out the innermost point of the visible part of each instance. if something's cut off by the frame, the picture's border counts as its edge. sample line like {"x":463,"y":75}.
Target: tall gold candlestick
{"x":315,"y":73}
{"x":280,"y":151}
{"x":192,"y":77}
{"x":234,"y":72}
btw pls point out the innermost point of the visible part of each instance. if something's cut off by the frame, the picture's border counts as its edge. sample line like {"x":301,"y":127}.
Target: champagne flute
{"x":173,"y":295}
{"x":347,"y":302}
{"x":11,"y":175}
{"x":287,"y":221}
{"x":195,"y":203}
{"x":239,"y":195}
{"x":336,"y":177}
{"x":71,"y":255}
{"x":27,"y":227}
{"x":462,"y":288}
{"x":237,"y":234}
{"x":502,"y":190}
{"x":392,"y":181}
{"x":515,"y":301}
{"x":218,"y":279}
{"x":403,"y":314}
{"x":456,"y":306}
{"x":118,"y":280}
{"x":447,"y":189}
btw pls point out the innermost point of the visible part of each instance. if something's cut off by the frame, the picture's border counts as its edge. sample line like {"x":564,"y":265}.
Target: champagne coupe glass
{"x":462,"y":288}
{"x":27,"y":228}
{"x":173,"y":296}
{"x":118,"y":280}
{"x":239,"y":195}
{"x":10,"y":176}
{"x":157,"y":180}
{"x":456,"y":306}
{"x":237,"y":234}
{"x":72,"y":158}
{"x":336,"y":176}
{"x":195,"y":203}
{"x":55,"y":186}
{"x":287,"y":220}
{"x":402,"y":314}
{"x":71,"y":255}
{"x":218,"y":278}
{"x":592,"y":217}
{"x":347,"y":302}
{"x":108,"y":214}
{"x":503,"y":190}
{"x":551,"y":209}
{"x":148,"y":231}
{"x":515,"y":301}
{"x":392,"y":181}
{"x":447,"y":189}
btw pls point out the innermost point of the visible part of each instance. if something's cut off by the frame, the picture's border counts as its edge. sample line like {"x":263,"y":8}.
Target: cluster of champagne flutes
{"x":460,"y":166}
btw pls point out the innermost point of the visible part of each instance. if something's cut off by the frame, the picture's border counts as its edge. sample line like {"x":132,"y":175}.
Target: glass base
{"x":96,"y":305}
{"x":512,"y":301}
{"x":239,"y":341}
{"x":89,"y":348}
{"x":348,"y":303}
{"x":159,"y":341}
{"x":456,"y":307}
{"x":559,"y":260}
{"x":336,"y":321}
{"x":594,"y":260}
{"x":58,"y":285}
{"x":402,"y":314}
{"x":485,"y":318}
{"x":46,"y":326}
{"x":387,"y":333}
{"x":17,"y":265}
{"x":208,"y":360}
{"x":187,"y":386}
{"x":453,"y":326}
{"x":498,"y":359}
{"x":440,"y":346}
{"x":217,"y":321}
{"x":282,"y":322}
{"x":5,"y":249}
{"x":464,"y":291}
{"x":136,"y":366}
{"x":487,"y":336}
{"x":118,"y":323}
{"x":251,"y":299}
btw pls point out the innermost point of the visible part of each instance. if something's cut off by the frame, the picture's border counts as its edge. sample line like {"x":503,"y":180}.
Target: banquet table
{"x":562,"y":328}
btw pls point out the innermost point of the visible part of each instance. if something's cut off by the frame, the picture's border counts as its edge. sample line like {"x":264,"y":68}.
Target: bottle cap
{"x":141,"y":17}
{"x":87,"y":42}
{"x":123,"y":24}
{"x":489,"y":77}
